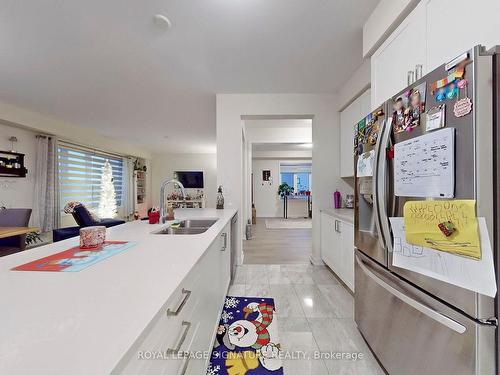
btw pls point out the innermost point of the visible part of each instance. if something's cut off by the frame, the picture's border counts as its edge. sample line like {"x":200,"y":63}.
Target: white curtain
{"x":44,"y":208}
{"x":128,"y":187}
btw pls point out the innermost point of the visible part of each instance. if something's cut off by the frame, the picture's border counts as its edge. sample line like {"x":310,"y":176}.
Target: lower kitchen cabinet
{"x":337,"y":247}
{"x":184,"y":329}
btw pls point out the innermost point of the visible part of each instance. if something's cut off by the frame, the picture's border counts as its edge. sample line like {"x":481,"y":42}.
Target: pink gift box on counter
{"x":91,"y":237}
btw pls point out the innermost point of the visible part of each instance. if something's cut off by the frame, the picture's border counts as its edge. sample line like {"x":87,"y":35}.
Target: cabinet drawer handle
{"x":183,"y":302}
{"x":177,"y":349}
{"x":336,"y":227}
{"x":224,"y":246}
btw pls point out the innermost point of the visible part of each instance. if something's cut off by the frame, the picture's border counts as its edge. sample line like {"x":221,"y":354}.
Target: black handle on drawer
{"x":177,"y":349}
{"x":183,"y":302}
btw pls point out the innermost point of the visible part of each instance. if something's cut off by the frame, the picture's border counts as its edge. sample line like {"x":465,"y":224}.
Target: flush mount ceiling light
{"x":162,"y":22}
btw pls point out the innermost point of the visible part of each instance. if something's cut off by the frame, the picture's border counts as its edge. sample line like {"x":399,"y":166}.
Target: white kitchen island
{"x":97,"y":320}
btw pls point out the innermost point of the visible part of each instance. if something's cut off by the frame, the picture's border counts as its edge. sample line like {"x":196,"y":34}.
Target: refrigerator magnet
{"x":462,"y":106}
{"x":435,"y":117}
{"x":447,"y":228}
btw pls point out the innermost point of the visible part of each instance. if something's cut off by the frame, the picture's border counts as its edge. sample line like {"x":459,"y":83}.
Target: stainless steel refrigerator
{"x":415,"y":324}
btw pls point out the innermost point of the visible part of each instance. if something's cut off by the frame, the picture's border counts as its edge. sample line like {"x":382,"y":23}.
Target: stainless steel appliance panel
{"x":496,"y":177}
{"x":412,"y":333}
{"x":367,"y":229}
{"x":465,"y":188}
{"x":234,"y":247}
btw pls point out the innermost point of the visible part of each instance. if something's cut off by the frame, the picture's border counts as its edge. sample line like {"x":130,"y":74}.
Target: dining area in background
{"x":14,"y":230}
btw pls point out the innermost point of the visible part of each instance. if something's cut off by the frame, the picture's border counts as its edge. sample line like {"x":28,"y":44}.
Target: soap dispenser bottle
{"x":220,"y":198}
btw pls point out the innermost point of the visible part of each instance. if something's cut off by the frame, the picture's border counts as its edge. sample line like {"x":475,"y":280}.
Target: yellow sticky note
{"x":423,"y":217}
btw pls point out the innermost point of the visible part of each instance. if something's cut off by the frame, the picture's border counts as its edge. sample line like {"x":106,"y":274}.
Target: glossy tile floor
{"x":315,"y":315}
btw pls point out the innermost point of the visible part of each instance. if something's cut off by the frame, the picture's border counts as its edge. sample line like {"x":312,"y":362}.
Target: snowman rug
{"x":247,"y":341}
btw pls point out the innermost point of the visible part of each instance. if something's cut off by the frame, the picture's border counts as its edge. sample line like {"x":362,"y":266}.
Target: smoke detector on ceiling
{"x":161,"y":21}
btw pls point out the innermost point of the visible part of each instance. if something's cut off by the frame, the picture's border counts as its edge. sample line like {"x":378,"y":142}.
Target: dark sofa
{"x":84,"y":219}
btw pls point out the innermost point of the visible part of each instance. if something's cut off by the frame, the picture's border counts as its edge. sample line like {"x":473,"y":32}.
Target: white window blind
{"x":80,"y":171}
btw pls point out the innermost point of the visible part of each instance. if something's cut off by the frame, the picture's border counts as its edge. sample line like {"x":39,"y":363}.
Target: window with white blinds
{"x":80,"y":173}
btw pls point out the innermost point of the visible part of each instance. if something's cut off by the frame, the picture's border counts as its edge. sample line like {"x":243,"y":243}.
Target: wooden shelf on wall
{"x":16,"y":162}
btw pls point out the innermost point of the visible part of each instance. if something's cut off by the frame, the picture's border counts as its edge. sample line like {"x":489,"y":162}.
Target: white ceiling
{"x":105,"y":65}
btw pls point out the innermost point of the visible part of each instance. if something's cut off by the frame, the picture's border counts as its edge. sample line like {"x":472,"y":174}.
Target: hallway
{"x":277,"y":246}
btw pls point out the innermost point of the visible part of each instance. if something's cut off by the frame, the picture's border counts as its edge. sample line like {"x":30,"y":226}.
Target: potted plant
{"x":284,"y":190}
{"x":32,"y":238}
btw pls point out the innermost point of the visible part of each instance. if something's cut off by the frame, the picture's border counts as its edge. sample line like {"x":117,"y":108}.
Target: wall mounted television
{"x":190,"y":179}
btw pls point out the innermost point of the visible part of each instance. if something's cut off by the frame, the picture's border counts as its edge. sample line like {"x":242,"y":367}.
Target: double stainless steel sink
{"x":186,"y":227}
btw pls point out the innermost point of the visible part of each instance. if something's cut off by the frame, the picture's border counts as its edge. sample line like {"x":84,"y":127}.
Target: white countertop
{"x":84,"y":322}
{"x":345,"y":214}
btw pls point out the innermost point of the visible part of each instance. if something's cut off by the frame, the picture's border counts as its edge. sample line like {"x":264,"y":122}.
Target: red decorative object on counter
{"x":154,"y":217}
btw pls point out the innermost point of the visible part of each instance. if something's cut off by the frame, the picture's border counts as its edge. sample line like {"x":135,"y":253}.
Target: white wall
{"x":163,"y":167}
{"x":279,"y":134}
{"x":267,"y":202}
{"x":325,"y":135}
{"x":358,"y":83}
{"x":18,"y":192}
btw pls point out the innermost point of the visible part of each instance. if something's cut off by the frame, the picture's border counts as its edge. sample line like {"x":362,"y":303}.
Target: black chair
{"x":14,"y":217}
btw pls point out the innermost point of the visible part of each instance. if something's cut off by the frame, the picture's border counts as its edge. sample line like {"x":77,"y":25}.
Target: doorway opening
{"x":278,"y":191}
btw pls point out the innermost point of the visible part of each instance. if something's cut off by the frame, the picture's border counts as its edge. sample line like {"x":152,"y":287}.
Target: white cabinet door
{"x":349,"y":118}
{"x":479,"y":24}
{"x":331,"y":243}
{"x":330,"y":246}
{"x":326,"y":238}
{"x":402,"y":50}
{"x":347,"y":246}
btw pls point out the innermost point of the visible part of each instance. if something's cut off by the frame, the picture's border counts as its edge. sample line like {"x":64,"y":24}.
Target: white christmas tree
{"x":107,"y":201}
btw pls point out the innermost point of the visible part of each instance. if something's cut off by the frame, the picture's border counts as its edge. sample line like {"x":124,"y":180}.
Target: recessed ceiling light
{"x":161,"y":21}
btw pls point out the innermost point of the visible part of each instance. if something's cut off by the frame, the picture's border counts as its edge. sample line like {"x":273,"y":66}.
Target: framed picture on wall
{"x":266,"y":175}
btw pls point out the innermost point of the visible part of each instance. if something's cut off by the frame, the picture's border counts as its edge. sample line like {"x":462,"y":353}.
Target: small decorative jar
{"x":92,"y":237}
{"x":154,"y":217}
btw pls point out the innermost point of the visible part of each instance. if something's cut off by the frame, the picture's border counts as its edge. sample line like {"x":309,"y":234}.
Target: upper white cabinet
{"x":435,"y":32}
{"x":478,"y":24}
{"x":400,"y":53}
{"x":349,"y":117}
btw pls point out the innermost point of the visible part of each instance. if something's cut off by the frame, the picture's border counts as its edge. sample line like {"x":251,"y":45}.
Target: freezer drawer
{"x":411,"y":333}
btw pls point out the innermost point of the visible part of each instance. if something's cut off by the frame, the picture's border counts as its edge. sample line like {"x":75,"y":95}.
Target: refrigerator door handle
{"x":375,"y":178}
{"x":450,"y":323}
{"x":381,"y":181}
